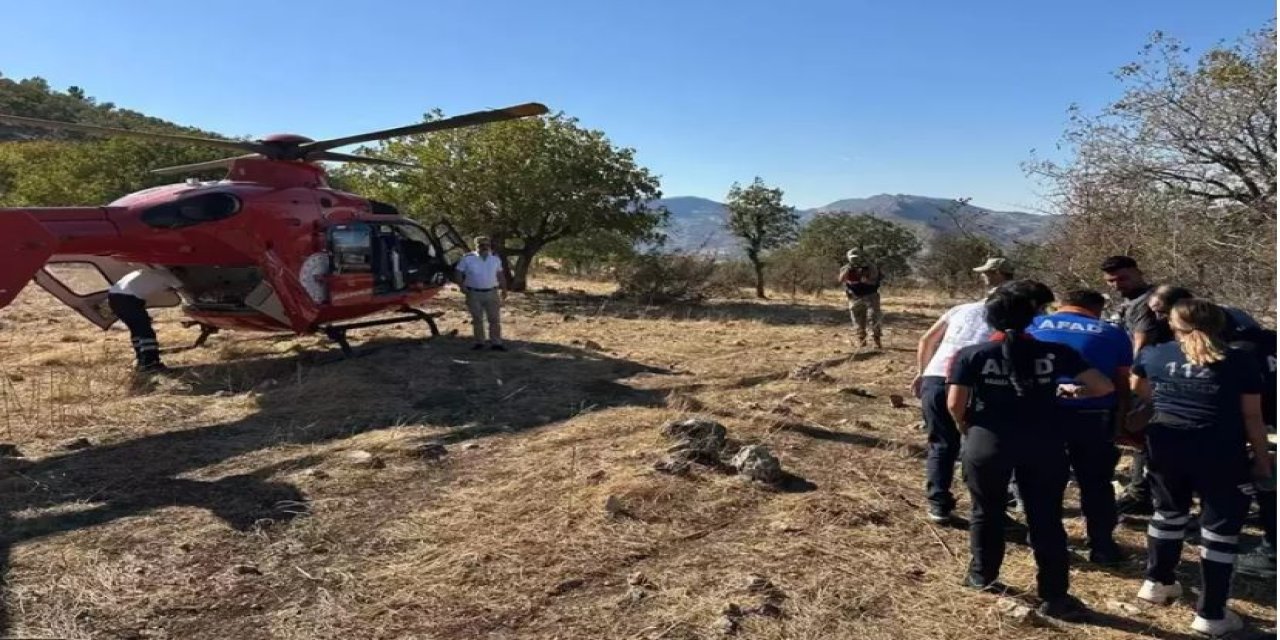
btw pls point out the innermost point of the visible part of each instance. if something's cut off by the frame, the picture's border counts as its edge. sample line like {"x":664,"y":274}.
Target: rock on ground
{"x":757,"y":463}
{"x":696,"y":438}
{"x":361,"y":458}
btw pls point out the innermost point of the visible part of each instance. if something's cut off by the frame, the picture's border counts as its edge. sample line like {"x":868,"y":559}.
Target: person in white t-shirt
{"x":961,"y":326}
{"x":127,"y":298}
{"x":482,"y":279}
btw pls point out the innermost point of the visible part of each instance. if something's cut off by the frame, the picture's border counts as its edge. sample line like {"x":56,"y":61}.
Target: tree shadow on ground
{"x":531,"y":386}
{"x":583,"y":305}
{"x":850,"y":437}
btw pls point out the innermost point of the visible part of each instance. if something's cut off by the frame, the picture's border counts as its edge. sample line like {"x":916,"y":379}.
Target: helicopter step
{"x":338,"y":332}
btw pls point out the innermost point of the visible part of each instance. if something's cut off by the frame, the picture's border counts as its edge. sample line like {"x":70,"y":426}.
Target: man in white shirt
{"x":961,"y":326}
{"x":128,"y":300}
{"x":481,"y":278}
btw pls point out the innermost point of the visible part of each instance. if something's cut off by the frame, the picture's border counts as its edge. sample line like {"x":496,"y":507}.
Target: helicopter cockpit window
{"x":352,"y":248}
{"x":417,"y":245}
{"x":206,"y":207}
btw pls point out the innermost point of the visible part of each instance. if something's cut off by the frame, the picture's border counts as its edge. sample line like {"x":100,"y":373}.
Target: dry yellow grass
{"x":206,"y":509}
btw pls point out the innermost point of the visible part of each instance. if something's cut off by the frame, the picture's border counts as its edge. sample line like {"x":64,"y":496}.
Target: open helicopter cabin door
{"x":452,"y":246}
{"x":81,"y":282}
{"x":371,"y":259}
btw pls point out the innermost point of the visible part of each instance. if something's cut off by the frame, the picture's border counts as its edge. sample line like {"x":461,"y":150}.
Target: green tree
{"x":951,"y":258}
{"x":40,"y":167}
{"x":888,"y":245}
{"x":592,"y":252}
{"x":65,"y":173}
{"x":758,"y":217}
{"x":526,"y":183}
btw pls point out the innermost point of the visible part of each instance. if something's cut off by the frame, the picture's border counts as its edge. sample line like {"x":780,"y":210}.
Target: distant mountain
{"x":698,"y":223}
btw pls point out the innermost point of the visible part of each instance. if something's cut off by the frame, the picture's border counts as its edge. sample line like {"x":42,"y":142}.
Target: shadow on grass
{"x":781,"y":311}
{"x":442,"y":383}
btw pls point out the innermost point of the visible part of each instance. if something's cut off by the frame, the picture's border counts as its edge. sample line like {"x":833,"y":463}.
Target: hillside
{"x":34,"y":98}
{"x":426,"y":491}
{"x":698,"y":223}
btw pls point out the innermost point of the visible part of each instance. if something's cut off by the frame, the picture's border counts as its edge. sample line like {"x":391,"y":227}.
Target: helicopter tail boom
{"x":25,"y":245}
{"x":30,"y":237}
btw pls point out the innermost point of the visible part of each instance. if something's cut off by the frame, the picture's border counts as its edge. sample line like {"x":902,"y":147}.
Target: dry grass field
{"x":271,"y":490}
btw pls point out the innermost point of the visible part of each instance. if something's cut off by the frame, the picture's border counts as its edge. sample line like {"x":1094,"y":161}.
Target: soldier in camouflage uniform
{"x":861,"y":282}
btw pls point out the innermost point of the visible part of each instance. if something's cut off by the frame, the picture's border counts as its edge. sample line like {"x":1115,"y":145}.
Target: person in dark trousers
{"x":1002,"y":395}
{"x":1261,"y":561}
{"x":1123,"y":276}
{"x":1206,"y":418}
{"x":960,"y":326}
{"x":127,"y":298}
{"x":1090,"y":424}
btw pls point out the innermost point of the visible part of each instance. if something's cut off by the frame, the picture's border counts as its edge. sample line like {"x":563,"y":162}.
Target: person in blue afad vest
{"x":1206,"y":418}
{"x":1002,"y":395}
{"x":1090,"y":424}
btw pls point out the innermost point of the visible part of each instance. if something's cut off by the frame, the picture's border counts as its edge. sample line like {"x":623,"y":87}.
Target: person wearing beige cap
{"x":961,"y":326}
{"x":995,"y":272}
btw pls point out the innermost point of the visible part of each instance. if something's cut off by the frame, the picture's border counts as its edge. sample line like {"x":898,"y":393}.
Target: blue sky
{"x":825,"y":99}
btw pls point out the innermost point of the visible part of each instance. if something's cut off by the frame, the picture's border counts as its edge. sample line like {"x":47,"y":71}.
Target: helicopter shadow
{"x":403,"y":382}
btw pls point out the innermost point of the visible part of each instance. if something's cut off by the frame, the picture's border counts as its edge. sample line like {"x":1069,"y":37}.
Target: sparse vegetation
{"x":1179,"y":173}
{"x":214,"y":505}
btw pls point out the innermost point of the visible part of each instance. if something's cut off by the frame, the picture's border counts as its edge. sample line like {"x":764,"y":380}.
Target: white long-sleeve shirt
{"x":145,"y":283}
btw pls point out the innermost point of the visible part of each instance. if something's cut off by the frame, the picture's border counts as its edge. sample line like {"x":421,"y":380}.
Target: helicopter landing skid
{"x":338,"y":332}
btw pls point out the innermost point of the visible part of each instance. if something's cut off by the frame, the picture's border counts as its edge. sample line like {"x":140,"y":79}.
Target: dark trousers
{"x":1139,"y":483}
{"x":1183,"y":464}
{"x":132,"y":311}
{"x":1039,"y":464}
{"x":944,"y":442}
{"x":1092,"y":454}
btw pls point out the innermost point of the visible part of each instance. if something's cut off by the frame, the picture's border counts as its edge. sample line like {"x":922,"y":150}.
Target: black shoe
{"x":1134,"y":505}
{"x":498,"y":347}
{"x":155,"y":367}
{"x":1108,"y":556}
{"x":477,"y":347}
{"x":940,"y":515}
{"x":994,"y":586}
{"x":1062,"y":608}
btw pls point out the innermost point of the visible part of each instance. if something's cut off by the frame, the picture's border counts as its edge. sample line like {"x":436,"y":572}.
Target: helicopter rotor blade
{"x":465,"y":120}
{"x":22,"y":121}
{"x":345,"y":157}
{"x":221,"y":163}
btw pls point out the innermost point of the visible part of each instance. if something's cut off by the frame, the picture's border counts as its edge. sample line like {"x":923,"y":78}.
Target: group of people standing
{"x":1026,"y":397}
